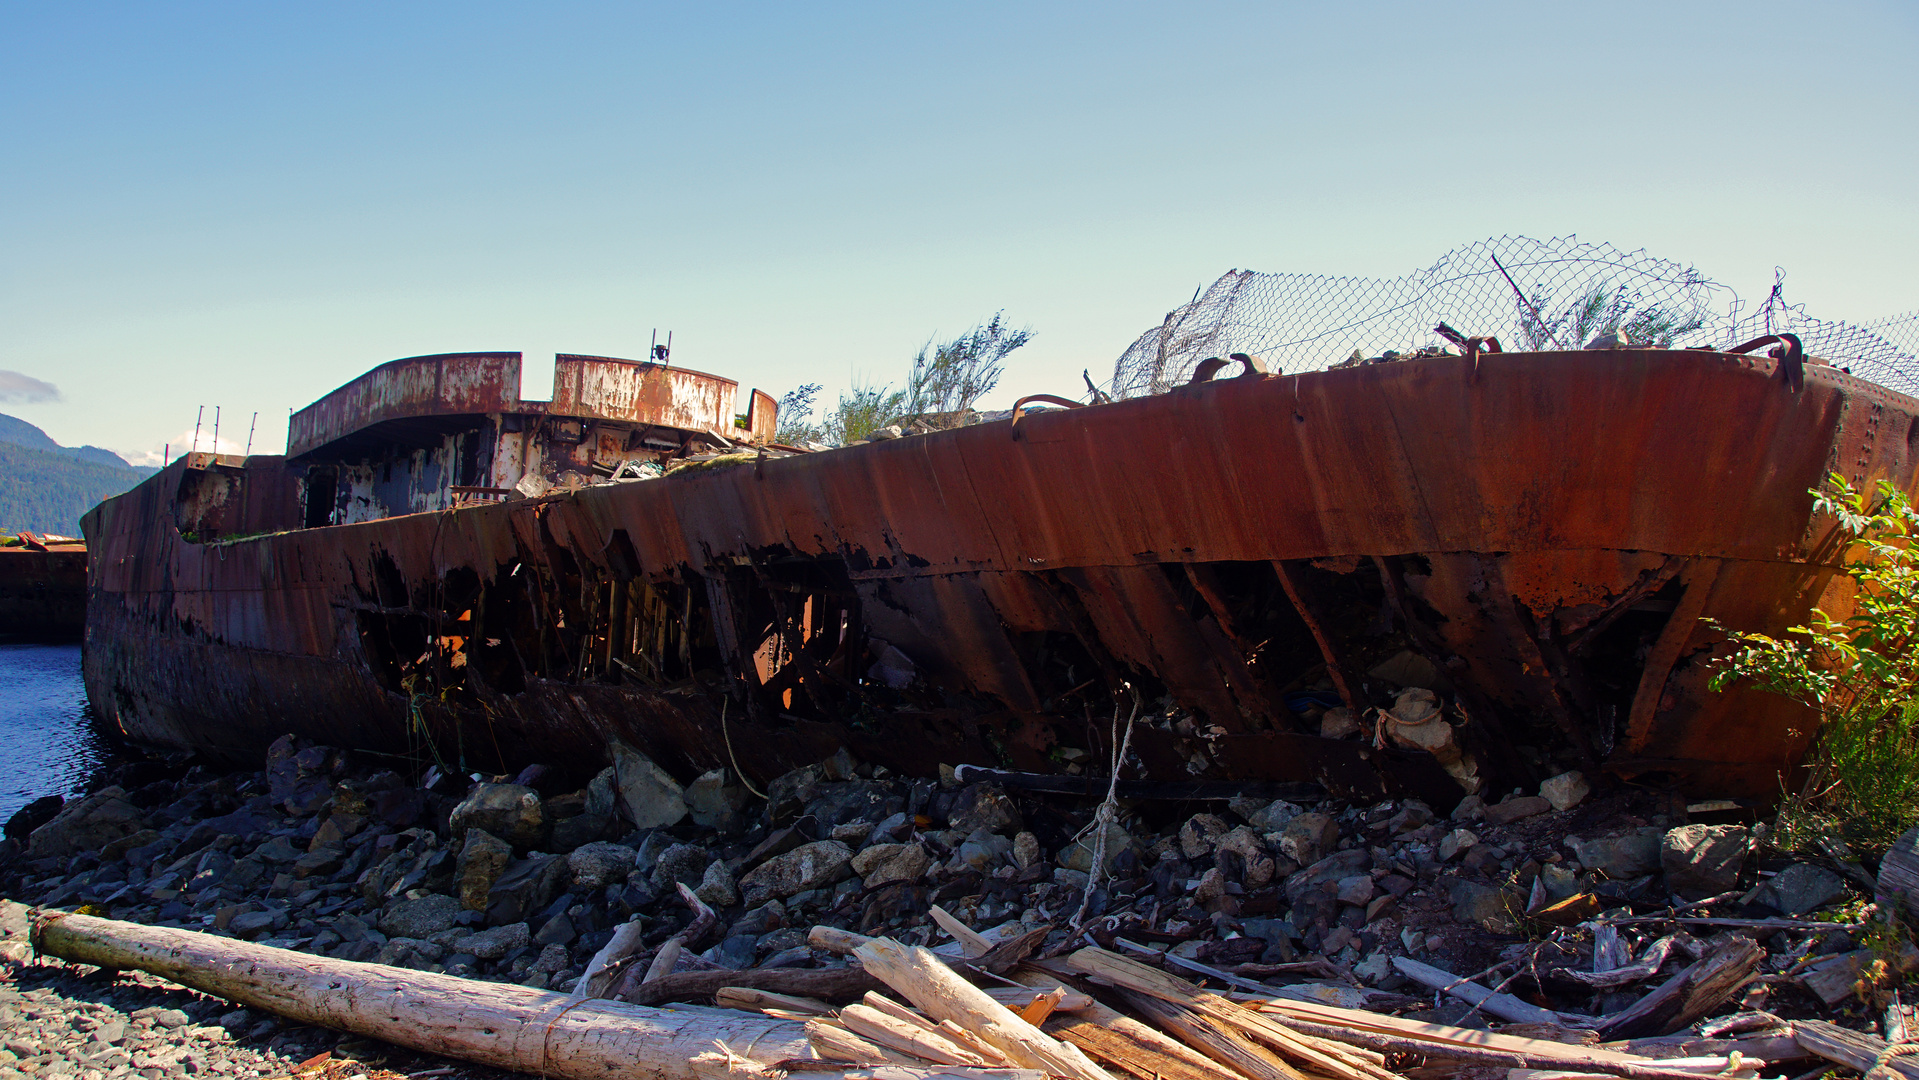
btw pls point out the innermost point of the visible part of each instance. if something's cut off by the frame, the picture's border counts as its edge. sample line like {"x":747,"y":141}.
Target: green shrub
{"x":1860,"y":675}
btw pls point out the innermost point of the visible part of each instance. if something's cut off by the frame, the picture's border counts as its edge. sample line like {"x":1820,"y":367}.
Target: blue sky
{"x":246,"y":205}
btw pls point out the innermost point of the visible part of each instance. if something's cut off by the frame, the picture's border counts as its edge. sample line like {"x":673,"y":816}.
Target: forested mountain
{"x":46,"y":487}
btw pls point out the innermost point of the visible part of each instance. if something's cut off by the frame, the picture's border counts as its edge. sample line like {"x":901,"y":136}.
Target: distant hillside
{"x":46,"y":487}
{"x":20,"y":433}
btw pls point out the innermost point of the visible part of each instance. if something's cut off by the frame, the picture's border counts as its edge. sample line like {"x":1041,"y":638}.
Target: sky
{"x":246,"y":205}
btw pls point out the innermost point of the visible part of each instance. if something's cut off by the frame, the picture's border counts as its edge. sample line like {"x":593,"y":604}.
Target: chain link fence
{"x":1530,"y":294}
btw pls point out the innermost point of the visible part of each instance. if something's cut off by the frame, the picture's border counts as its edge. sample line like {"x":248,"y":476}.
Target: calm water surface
{"x":48,"y":741}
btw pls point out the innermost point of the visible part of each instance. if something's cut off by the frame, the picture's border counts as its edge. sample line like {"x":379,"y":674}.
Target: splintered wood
{"x":1044,"y":1022}
{"x":907,"y":1013}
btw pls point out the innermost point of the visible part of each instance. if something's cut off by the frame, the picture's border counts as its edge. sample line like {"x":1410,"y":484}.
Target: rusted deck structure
{"x":1545,"y":531}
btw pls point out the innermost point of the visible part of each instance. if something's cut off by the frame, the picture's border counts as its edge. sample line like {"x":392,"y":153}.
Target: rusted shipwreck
{"x":43,"y":588}
{"x":437,"y":566}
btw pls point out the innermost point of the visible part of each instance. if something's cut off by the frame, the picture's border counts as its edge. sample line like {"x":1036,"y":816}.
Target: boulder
{"x":1027,"y":851}
{"x":497,"y":942}
{"x":1566,"y":790}
{"x":1626,"y":855}
{"x":601,"y":863}
{"x":1212,"y":886}
{"x":1356,"y":890}
{"x":523,"y":889}
{"x":511,"y":812}
{"x":320,"y":862}
{"x":717,"y":800}
{"x":256,"y":924}
{"x":883,"y":864}
{"x":983,"y":850}
{"x":1259,"y":863}
{"x":1199,"y":835}
{"x":1272,"y":817}
{"x":649,"y":798}
{"x":1078,"y":855}
{"x":483,"y":858}
{"x":717,"y":887}
{"x":809,"y":866}
{"x":211,"y":869}
{"x":835,"y":803}
{"x":87,"y":824}
{"x":787,"y":795}
{"x":1412,"y":814}
{"x":572,"y":833}
{"x":1309,"y":838}
{"x":130,"y":843}
{"x":420,"y":918}
{"x":684,"y":864}
{"x":1703,"y":860}
{"x":33,"y":815}
{"x":1333,"y":868}
{"x":602,"y":795}
{"x":1455,"y":842}
{"x":1800,"y":888}
{"x":1495,"y":911}
{"x":278,"y":850}
{"x":1517,"y":808}
{"x":985,"y":806}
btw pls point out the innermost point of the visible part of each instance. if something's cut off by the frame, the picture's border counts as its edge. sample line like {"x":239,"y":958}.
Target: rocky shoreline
{"x":514,"y":879}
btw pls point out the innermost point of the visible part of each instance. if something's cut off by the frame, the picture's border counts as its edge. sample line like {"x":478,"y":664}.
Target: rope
{"x":728,"y":736}
{"x":1108,"y":810}
{"x":1882,"y":1065}
{"x":547,"y":1035}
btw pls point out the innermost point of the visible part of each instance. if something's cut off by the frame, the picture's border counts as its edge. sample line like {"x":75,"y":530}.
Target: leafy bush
{"x":862,"y":411}
{"x":795,"y":425}
{"x":1860,"y":674}
{"x":946,"y":380}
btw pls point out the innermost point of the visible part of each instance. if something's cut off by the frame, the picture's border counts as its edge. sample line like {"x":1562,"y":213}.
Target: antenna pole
{"x":216,"y":429}
{"x":196,"y":429}
{"x":250,"y":426}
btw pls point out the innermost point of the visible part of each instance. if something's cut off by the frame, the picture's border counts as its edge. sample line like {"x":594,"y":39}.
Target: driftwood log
{"x":497,"y":1024}
{"x":699,"y":987}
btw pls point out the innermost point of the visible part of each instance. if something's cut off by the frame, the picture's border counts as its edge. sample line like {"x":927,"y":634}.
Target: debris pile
{"x":1383,"y":938}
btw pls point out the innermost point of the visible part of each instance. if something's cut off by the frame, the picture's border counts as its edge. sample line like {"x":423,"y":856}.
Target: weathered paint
{"x":451,"y":384}
{"x":642,"y":393}
{"x":1547,"y":530}
{"x":435,"y":432}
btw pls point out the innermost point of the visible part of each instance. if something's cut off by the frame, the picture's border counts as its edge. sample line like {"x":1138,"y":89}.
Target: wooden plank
{"x":909,"y":1038}
{"x":1504,"y":1006}
{"x":1898,"y":884}
{"x":1135,"y":976}
{"x":1441,"y":1034}
{"x":1123,"y":1052}
{"x":1215,"y":1040}
{"x":971,"y":944}
{"x":832,"y":984}
{"x":1853,"y":1049}
{"x":751,"y":999}
{"x":933,"y":988}
{"x":1113,"y":1020}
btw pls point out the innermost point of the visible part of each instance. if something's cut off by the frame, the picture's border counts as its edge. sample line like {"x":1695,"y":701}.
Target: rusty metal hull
{"x":1548,"y":532}
{"x":43,"y":594}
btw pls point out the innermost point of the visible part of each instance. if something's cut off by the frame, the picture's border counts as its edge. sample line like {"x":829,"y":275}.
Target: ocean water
{"x":49,"y":742}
